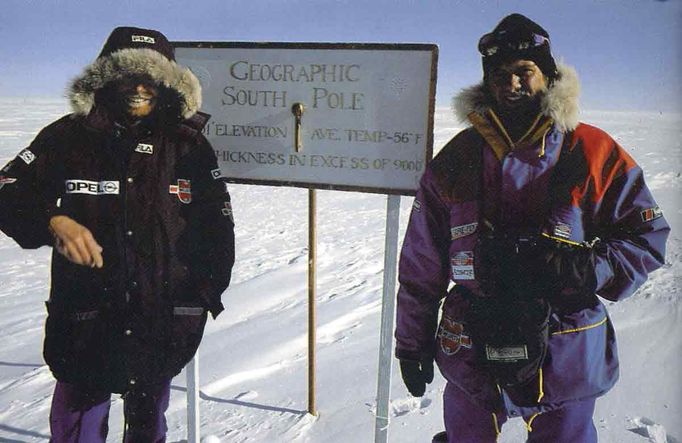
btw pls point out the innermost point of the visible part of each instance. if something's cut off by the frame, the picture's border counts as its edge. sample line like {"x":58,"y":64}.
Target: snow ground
{"x":253,"y":358}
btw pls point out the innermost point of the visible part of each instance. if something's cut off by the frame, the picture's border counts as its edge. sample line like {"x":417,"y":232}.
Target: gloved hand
{"x":533,"y":266}
{"x":568,"y":266}
{"x":416,"y":375}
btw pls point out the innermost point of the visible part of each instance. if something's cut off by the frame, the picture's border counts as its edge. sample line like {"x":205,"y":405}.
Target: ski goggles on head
{"x":493,"y":43}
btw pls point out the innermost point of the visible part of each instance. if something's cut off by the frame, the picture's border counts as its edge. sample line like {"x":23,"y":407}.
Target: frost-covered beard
{"x":518,"y":110}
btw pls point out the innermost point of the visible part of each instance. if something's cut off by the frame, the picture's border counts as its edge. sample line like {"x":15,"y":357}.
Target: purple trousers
{"x":466,"y":422}
{"x":81,"y":416}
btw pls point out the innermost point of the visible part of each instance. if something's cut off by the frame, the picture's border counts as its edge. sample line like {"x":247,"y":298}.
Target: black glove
{"x":416,"y":375}
{"x":569,"y":266}
{"x":525,"y":266}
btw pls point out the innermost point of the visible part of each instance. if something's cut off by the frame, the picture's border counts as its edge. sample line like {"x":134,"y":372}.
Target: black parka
{"x":153,"y":197}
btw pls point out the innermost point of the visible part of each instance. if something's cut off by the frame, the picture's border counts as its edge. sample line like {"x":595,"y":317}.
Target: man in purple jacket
{"x":519,"y":223}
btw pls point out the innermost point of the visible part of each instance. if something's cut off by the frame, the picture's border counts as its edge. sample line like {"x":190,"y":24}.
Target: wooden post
{"x":193,"y":422}
{"x":387,"y":315}
{"x":312,"y":261}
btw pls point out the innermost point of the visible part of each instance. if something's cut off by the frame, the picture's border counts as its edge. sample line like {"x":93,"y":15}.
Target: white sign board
{"x":367,"y":121}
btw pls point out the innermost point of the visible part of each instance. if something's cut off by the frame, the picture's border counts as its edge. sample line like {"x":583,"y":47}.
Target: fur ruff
{"x":560,"y":102}
{"x":135,"y":61}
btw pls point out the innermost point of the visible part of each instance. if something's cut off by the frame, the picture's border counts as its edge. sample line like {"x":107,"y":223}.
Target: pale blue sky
{"x":628,"y":53}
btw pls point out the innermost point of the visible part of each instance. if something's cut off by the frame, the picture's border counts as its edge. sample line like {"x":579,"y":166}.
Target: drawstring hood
{"x":134,"y":52}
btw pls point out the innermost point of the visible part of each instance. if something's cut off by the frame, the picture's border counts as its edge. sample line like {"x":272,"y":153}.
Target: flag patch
{"x":183,"y":190}
{"x":651,"y":214}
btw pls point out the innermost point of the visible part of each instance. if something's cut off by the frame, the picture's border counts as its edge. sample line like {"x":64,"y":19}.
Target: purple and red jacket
{"x":571,"y":181}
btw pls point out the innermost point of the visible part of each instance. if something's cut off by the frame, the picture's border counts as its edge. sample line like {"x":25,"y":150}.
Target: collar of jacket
{"x":492,"y":130}
{"x":560,"y":102}
{"x":135,"y":61}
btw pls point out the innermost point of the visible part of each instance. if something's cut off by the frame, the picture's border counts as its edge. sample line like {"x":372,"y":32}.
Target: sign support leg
{"x":312,"y":260}
{"x":387,"y":316}
{"x":193,"y":432}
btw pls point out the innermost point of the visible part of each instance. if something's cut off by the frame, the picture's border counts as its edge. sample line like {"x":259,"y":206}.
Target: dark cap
{"x":127,"y":37}
{"x":517,"y":37}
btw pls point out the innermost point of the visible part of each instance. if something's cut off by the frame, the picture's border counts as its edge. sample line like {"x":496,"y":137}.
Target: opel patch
{"x":463,"y":230}
{"x":651,"y":214}
{"x":183,"y":190}
{"x":462,"y":265}
{"x":105,"y":187}
{"x":452,"y":337}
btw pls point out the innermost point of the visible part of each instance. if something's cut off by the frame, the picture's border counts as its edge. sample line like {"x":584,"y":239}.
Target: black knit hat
{"x":127,"y":37}
{"x":517,"y":37}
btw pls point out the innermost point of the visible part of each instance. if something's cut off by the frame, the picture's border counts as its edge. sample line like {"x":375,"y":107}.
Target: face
{"x":138,"y":99}
{"x":517,"y":85}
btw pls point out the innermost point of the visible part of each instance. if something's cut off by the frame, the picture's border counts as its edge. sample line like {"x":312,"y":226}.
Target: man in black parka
{"x":128,"y":191}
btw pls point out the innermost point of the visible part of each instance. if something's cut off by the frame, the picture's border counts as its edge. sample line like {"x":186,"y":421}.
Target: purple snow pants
{"x":466,"y":422}
{"x":81,"y":416}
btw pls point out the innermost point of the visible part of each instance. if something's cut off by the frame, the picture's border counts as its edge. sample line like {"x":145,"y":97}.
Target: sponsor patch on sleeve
{"x":216,"y":173}
{"x":462,"y":265}
{"x":6,"y":180}
{"x":651,"y":214}
{"x":227,"y":211}
{"x":463,"y":230}
{"x":27,"y":156}
{"x":416,"y":206}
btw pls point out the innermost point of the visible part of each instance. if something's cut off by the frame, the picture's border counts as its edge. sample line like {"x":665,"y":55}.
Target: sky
{"x":628,"y":53}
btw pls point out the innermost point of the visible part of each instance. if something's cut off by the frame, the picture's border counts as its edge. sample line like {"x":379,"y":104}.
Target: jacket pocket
{"x":456,"y":358}
{"x":186,"y":330}
{"x":76,"y":344}
{"x":582,"y":359}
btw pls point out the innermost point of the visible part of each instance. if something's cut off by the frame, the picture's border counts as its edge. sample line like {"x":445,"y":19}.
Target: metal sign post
{"x":193,"y":422}
{"x":312,"y":261}
{"x":387,"y":315}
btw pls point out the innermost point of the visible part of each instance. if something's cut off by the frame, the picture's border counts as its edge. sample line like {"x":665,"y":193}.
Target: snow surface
{"x":253,"y":358}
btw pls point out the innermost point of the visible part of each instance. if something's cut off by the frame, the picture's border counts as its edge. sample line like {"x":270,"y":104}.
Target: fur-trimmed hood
{"x":560,"y":102}
{"x":135,"y":61}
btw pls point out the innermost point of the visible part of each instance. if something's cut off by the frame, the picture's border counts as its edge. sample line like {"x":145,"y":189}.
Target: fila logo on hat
{"x":143,"y":39}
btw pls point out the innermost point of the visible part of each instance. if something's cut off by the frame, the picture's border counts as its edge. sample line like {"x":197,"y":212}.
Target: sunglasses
{"x":491,"y":44}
